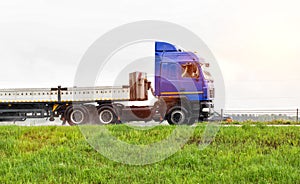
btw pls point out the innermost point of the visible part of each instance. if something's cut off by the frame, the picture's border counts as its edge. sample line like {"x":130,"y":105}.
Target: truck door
{"x":191,"y":80}
{"x":181,"y":79}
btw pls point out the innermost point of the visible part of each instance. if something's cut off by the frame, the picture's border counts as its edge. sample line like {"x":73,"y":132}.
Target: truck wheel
{"x":107,"y":115}
{"x":77,"y":115}
{"x":177,"y":116}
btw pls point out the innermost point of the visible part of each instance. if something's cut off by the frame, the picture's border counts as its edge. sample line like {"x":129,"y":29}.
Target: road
{"x":57,"y":122}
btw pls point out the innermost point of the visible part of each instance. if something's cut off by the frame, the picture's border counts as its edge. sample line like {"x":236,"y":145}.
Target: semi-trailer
{"x":183,"y":91}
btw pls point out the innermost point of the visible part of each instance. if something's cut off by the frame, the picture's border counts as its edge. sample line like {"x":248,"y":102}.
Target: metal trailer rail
{"x":73,"y":94}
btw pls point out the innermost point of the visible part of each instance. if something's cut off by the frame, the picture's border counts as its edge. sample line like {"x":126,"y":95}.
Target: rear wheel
{"x":107,"y":115}
{"x":178,"y":116}
{"x":77,"y":115}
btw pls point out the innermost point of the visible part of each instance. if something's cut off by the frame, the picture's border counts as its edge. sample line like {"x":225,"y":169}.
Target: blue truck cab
{"x":183,"y":84}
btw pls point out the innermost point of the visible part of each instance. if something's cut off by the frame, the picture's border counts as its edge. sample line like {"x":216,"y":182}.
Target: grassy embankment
{"x":237,"y":155}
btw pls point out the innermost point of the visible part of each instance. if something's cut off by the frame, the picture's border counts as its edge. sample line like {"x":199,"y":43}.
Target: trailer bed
{"x":72,"y":94}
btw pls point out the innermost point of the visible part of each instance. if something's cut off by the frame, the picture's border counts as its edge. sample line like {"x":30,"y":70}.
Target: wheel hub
{"x":77,"y":116}
{"x":106,"y":116}
{"x":177,"y":117}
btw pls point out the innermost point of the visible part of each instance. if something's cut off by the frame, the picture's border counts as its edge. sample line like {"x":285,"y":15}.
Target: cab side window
{"x":189,"y":70}
{"x":170,"y":70}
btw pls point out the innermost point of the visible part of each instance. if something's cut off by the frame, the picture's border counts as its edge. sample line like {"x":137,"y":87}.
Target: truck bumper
{"x":202,"y":110}
{"x":206,"y":109}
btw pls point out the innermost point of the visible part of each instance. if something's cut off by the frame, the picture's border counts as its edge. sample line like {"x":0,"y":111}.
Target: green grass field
{"x":52,"y":154}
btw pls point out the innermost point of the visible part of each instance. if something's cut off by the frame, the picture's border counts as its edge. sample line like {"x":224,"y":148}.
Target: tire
{"x":77,"y":115}
{"x":178,"y":116}
{"x":107,"y":115}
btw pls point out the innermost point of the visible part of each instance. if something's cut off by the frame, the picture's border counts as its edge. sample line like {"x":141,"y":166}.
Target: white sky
{"x":256,"y":42}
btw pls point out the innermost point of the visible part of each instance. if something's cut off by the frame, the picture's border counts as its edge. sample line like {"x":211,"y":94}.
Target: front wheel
{"x":178,"y":116}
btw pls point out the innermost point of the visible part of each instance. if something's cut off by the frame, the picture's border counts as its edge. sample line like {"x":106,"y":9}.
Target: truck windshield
{"x":190,"y":70}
